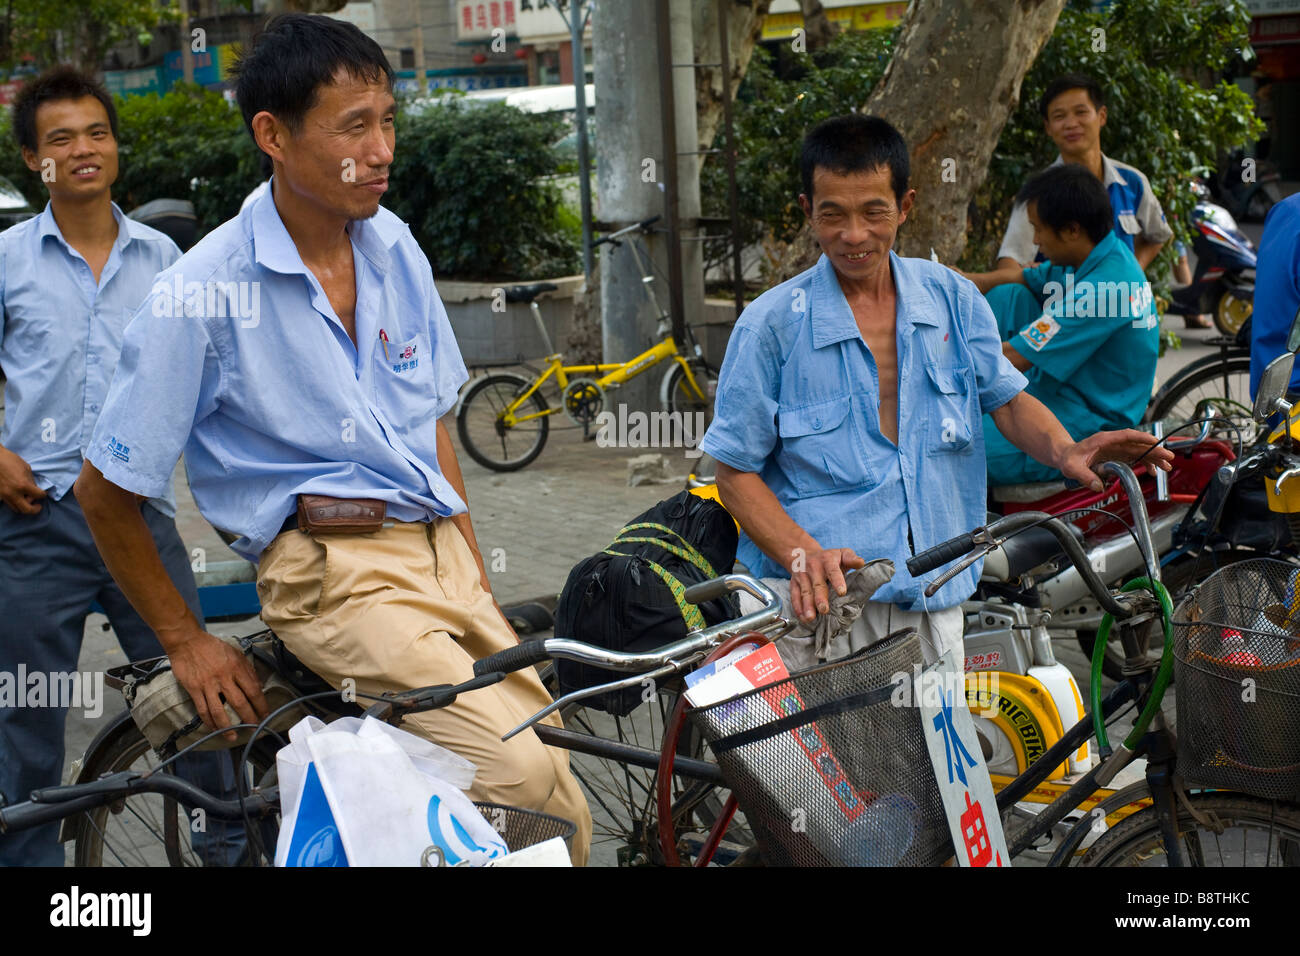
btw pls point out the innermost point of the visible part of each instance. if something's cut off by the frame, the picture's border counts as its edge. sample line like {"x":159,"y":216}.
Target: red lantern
{"x":521,"y":53}
{"x":479,"y":59}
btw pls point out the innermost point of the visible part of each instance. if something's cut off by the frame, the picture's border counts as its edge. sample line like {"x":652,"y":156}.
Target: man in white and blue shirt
{"x":70,"y":278}
{"x":1074,"y":113}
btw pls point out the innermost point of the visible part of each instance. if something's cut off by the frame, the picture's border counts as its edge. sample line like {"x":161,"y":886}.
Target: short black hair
{"x":294,"y":55}
{"x":1072,"y":81}
{"x":851,"y":144}
{"x":1069,"y":193}
{"x":57,"y":83}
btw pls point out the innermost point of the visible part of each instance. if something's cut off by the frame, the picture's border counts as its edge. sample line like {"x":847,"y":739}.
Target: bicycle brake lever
{"x":960,"y":566}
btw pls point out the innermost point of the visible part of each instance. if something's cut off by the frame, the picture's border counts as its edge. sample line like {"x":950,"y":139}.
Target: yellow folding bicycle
{"x":503,"y":418}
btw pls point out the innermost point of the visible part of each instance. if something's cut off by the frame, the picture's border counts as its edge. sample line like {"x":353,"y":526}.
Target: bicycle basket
{"x":1237,"y":680}
{"x":827,"y":770}
{"x":524,"y":828}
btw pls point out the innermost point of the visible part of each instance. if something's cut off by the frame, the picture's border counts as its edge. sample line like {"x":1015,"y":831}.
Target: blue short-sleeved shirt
{"x":798,"y":403}
{"x":1277,"y":289}
{"x":1094,"y":348}
{"x":60,"y":337}
{"x":238,"y":359}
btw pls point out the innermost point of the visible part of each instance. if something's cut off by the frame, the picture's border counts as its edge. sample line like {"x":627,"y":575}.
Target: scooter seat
{"x":1023,"y":552}
{"x":1029,"y":492}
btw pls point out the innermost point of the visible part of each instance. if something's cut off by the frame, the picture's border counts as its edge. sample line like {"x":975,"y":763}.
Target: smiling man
{"x":70,"y":279}
{"x":850,"y":403}
{"x":302,"y":369}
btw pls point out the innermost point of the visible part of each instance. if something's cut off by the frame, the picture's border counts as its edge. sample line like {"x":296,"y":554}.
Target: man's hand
{"x":18,"y":487}
{"x":1126,"y":445}
{"x":210,"y":669}
{"x":813,"y":573}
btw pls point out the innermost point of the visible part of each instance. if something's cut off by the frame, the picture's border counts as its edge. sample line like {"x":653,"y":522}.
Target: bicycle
{"x":503,"y":418}
{"x":1215,"y":385}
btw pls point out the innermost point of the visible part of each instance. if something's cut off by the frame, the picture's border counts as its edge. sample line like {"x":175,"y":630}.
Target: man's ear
{"x":269,"y":134}
{"x":1101,"y":116}
{"x":33,"y":162}
{"x":806,"y":205}
{"x":905,"y":206}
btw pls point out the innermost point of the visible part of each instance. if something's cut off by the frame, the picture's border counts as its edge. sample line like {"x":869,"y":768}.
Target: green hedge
{"x":470,"y":182}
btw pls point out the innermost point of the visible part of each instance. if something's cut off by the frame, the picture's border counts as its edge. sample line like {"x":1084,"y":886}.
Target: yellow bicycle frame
{"x":611,"y":373}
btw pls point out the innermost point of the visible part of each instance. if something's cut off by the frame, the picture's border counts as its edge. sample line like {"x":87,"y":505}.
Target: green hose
{"x":1163,"y":673}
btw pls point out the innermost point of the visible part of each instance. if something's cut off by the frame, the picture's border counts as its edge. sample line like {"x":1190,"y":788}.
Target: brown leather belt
{"x":321,"y":514}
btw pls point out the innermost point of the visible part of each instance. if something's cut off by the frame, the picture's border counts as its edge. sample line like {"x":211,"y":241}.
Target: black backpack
{"x":629,"y":597}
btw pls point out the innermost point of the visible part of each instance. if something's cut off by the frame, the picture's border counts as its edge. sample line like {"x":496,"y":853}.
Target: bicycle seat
{"x":1027,"y":493}
{"x":1024,"y":552}
{"x":526,"y":293}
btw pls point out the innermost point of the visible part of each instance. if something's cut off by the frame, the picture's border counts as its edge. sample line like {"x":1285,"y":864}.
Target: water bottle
{"x":882,"y":835}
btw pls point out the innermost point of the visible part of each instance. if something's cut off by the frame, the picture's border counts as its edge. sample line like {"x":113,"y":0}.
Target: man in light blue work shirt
{"x":69,"y":280}
{"x":1082,"y":326}
{"x":850,"y":403}
{"x":301,"y":349}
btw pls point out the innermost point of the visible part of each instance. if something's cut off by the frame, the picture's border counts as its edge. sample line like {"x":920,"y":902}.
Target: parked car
{"x":14,"y":207}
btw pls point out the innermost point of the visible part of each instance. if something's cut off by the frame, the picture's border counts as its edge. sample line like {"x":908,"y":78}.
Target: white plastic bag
{"x":363,"y":793}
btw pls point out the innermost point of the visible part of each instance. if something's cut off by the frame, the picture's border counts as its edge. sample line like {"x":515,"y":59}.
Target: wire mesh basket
{"x":523,"y":828}
{"x":828,"y":770}
{"x":1237,"y":680}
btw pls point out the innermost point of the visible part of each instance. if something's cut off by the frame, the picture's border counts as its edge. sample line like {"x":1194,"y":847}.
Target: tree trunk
{"x":744,"y":24}
{"x":818,"y":30}
{"x":950,"y":87}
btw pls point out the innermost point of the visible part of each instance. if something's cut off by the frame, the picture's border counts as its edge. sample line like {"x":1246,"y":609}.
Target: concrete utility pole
{"x":418,"y":46}
{"x":187,"y":55}
{"x":632,"y":169}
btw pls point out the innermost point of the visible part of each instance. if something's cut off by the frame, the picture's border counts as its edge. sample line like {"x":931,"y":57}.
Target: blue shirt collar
{"x":1100,"y":251}
{"x":47,"y":226}
{"x":835,"y":323}
{"x":275,"y":249}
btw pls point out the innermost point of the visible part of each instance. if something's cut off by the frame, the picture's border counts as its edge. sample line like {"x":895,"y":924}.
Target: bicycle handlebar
{"x":642,"y":226}
{"x":532,"y":652}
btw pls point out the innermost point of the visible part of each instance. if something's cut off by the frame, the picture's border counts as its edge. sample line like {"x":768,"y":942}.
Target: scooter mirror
{"x":1270,"y":398}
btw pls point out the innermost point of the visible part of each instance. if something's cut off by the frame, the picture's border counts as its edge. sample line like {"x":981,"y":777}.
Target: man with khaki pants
{"x":301,"y":359}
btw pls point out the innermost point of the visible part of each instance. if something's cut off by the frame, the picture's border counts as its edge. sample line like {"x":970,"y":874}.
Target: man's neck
{"x":876,"y":287}
{"x":318,"y":235}
{"x":87,"y":223}
{"x":1090,"y":159}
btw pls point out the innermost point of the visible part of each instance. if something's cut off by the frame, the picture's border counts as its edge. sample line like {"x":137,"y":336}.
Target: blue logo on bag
{"x":316,"y":840}
{"x":452,"y":838}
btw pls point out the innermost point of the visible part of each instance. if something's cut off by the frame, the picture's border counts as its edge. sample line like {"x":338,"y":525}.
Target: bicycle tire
{"x":479,"y":425}
{"x":622,"y":798}
{"x":139,"y":834}
{"x":1204,"y":382}
{"x":1135,"y":840}
{"x":680,"y":397}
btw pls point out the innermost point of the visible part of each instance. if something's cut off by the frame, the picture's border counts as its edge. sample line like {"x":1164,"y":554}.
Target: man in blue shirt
{"x":850,"y":403}
{"x":1277,"y":289}
{"x":1084,"y":328}
{"x":301,"y":349}
{"x":69,"y":280}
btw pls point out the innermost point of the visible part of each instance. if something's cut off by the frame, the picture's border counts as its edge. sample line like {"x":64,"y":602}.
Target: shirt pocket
{"x":404,"y":375}
{"x":1129,"y":223}
{"x":949,"y":428}
{"x":821,"y":450}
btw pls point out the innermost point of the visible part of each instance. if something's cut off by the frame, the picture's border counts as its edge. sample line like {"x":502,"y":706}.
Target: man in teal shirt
{"x":1082,"y":326}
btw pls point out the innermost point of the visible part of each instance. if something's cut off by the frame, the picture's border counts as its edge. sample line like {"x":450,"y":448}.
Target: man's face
{"x":339,"y":159}
{"x":1062,"y":248}
{"x":1073,"y":123}
{"x":76,"y":153}
{"x":855,"y":218}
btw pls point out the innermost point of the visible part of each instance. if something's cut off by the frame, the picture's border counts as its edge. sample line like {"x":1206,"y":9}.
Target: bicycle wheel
{"x":622,"y":797}
{"x":149,"y":829}
{"x":680,"y":397}
{"x":1244,"y":831}
{"x":1218,"y":388}
{"x":488,"y":439}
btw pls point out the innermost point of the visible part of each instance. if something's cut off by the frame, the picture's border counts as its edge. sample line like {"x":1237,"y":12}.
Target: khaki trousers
{"x":403,"y":608}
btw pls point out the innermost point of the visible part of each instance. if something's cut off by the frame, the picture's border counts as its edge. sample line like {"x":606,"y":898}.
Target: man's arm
{"x":1145,"y":252}
{"x":813,"y":570}
{"x":207,"y":667}
{"x":1008,"y":271}
{"x":450,"y":466}
{"x":18,"y":488}
{"x":1021,"y":363}
{"x":1029,"y":425}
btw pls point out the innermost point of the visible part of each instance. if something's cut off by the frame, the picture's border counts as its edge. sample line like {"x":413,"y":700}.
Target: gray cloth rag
{"x":846,"y":608}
